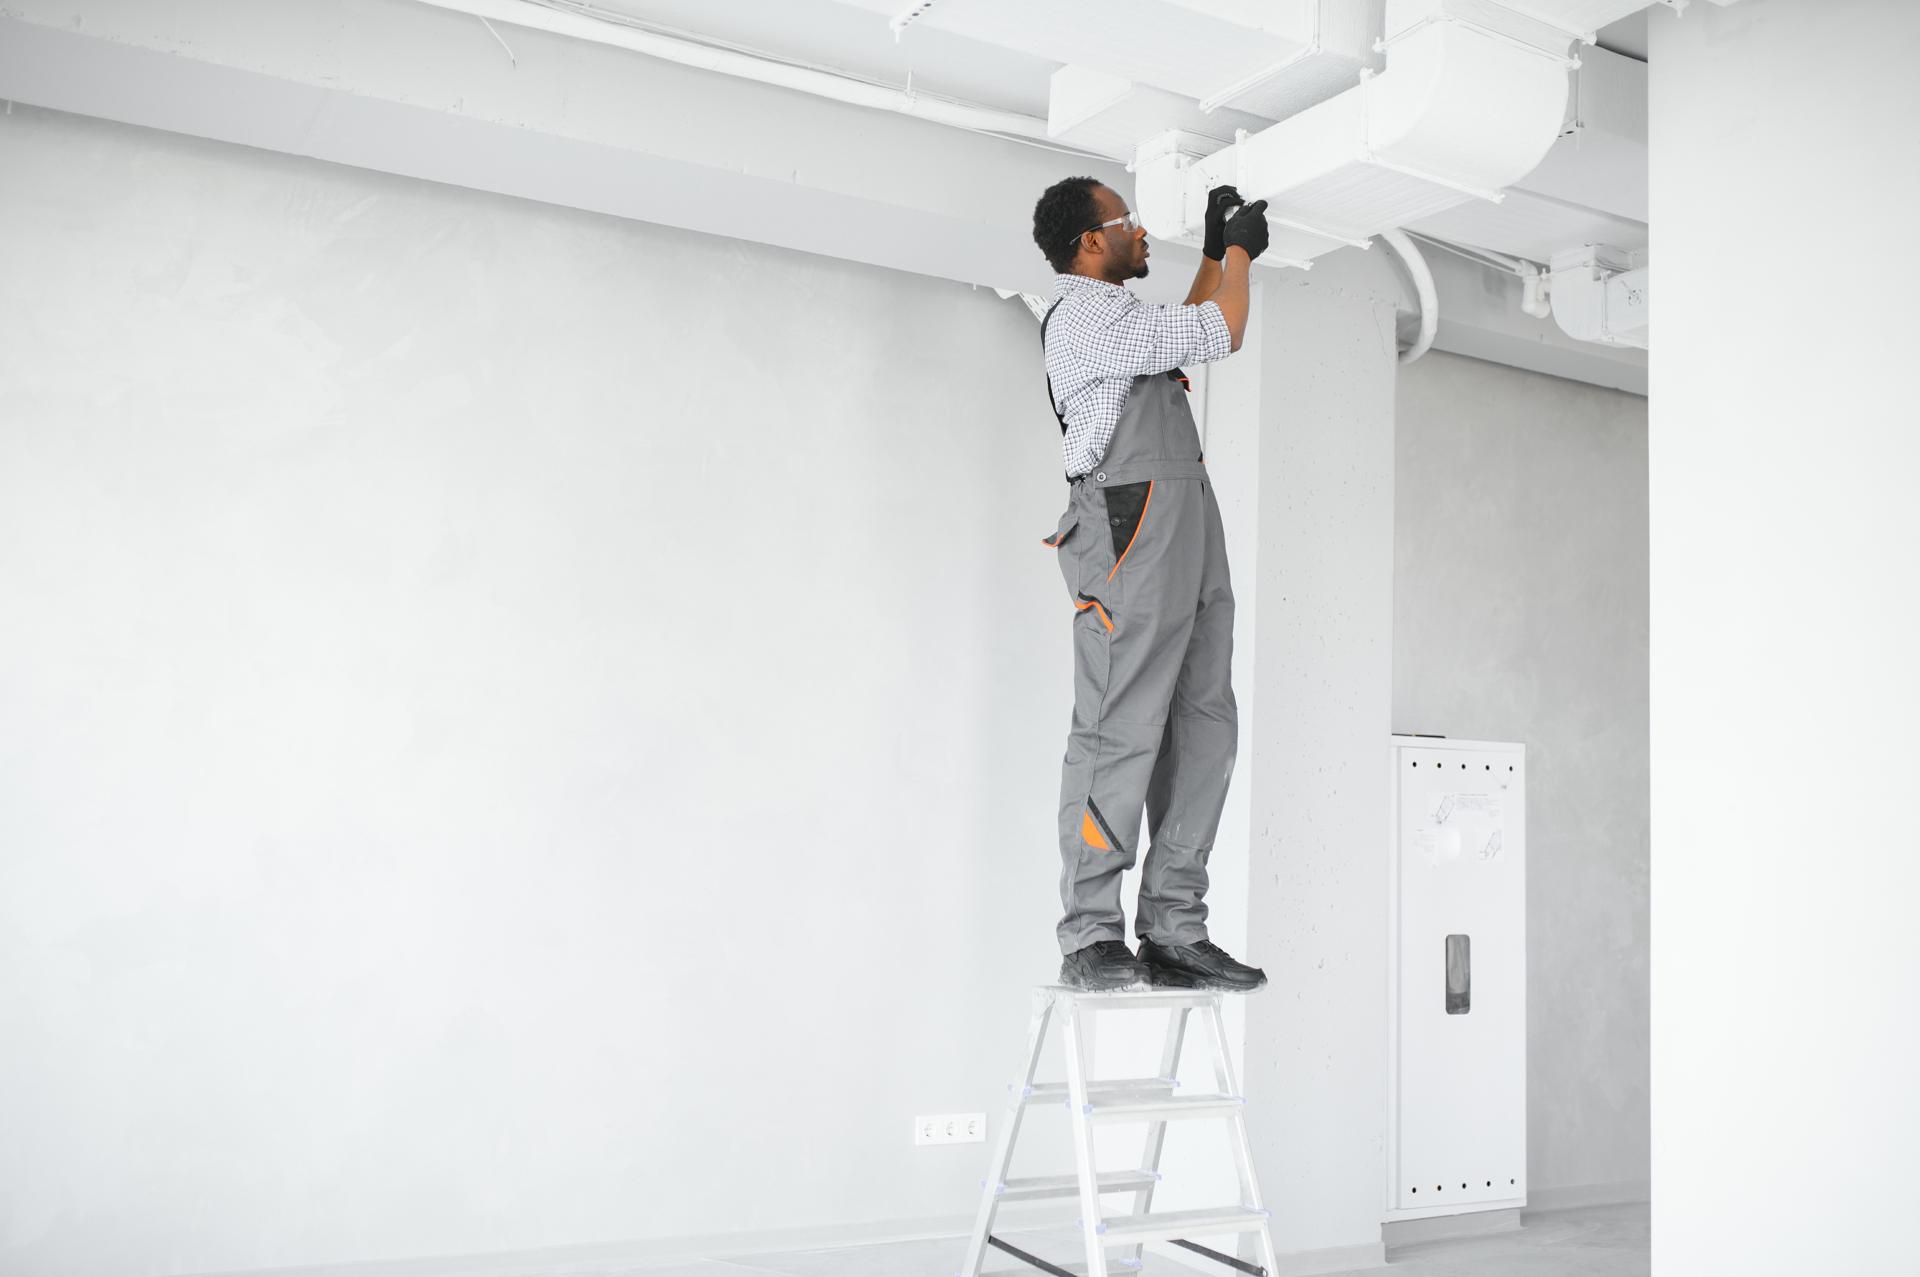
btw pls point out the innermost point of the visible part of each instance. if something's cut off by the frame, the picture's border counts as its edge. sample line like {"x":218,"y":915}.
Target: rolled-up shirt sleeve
{"x":1139,"y":339}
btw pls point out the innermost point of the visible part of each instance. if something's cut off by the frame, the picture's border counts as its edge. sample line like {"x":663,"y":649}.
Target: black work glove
{"x":1248,"y":229}
{"x":1219,"y":200}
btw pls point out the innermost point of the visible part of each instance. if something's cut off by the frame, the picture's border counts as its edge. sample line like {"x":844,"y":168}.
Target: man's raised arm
{"x":1245,"y":238}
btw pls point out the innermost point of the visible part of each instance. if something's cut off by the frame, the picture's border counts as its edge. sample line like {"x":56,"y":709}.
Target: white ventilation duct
{"x":1270,"y":58}
{"x":1472,"y":98}
{"x":1313,"y":50}
{"x":1601,"y":294}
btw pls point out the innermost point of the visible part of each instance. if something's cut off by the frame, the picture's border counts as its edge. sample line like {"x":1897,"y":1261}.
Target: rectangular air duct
{"x":1463,"y":110}
{"x":1269,"y":59}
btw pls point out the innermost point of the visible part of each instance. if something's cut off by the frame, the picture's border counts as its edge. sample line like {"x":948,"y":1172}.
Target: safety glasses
{"x":1131,"y":221}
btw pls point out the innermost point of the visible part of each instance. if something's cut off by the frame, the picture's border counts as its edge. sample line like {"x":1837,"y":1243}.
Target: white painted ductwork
{"x":1269,"y":58}
{"x":1601,"y":294}
{"x":1472,"y":98}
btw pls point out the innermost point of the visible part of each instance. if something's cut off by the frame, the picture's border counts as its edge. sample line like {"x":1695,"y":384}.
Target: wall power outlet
{"x":950,"y":1128}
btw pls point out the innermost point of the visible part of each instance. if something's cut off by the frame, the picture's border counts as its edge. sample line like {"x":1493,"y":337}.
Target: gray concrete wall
{"x":520,"y":729}
{"x":1520,"y":613}
{"x":445,"y":642}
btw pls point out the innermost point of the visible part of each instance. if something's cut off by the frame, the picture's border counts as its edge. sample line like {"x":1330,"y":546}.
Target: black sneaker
{"x":1198,"y":966}
{"x":1103,"y":965}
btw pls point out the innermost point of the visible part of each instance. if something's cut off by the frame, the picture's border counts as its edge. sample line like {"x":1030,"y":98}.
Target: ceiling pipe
{"x":580,"y":25}
{"x":1422,"y":277}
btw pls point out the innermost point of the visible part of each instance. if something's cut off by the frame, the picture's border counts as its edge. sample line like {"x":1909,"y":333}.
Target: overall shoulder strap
{"x":1044,"y":321}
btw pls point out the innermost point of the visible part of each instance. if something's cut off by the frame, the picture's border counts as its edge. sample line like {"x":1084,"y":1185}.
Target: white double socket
{"x":950,"y":1128}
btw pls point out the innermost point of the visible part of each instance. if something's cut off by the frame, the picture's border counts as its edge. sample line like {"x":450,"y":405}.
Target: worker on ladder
{"x":1144,"y":557}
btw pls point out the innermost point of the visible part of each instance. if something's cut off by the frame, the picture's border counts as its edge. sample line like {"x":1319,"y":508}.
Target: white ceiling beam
{"x":406,"y":88}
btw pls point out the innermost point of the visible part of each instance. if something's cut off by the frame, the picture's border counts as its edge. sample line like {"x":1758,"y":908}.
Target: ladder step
{"x":1036,"y":1187}
{"x":1140,"y":1087}
{"x":1162,"y":1226}
{"x":1165,"y":1110}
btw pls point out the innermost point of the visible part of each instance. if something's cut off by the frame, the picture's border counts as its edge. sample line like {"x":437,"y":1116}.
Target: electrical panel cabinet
{"x":1457,"y":978}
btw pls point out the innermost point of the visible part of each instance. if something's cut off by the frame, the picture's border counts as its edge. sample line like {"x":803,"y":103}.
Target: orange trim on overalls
{"x":1136,"y":533}
{"x":1091,"y":835}
{"x":1095,"y":605}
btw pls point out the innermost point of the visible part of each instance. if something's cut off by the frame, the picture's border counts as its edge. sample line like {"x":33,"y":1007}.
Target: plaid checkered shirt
{"x":1100,"y":338}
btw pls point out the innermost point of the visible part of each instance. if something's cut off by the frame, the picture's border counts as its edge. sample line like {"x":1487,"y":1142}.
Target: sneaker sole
{"x":1174,"y":978}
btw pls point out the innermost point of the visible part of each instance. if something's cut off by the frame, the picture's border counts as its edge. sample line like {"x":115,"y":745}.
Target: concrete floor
{"x":1593,"y":1241}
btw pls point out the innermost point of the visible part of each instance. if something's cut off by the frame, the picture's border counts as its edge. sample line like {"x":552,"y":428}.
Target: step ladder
{"x":1092,"y":1103}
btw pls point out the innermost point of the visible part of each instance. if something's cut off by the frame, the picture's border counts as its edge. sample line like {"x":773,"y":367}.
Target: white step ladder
{"x":1090,"y":1103}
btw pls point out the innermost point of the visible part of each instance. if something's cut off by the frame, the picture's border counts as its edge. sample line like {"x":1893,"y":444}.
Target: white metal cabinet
{"x":1457,"y":1004}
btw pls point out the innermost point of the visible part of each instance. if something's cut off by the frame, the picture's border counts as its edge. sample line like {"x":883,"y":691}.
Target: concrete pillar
{"x":1315,"y":691}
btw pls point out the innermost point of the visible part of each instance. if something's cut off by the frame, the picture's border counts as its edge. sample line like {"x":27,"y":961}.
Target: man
{"x":1141,"y":548}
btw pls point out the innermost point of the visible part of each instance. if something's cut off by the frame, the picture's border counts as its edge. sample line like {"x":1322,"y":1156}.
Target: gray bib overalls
{"x":1154,"y":721}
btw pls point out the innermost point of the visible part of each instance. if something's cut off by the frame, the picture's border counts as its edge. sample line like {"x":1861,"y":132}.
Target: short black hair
{"x":1065,"y":210}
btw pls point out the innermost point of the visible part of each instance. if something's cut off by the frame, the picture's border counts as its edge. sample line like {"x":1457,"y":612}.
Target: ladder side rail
{"x":1242,"y":1145}
{"x":1009,"y":1132}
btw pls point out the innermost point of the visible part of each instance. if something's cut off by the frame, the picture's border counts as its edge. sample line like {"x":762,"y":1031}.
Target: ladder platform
{"x":1165,"y":1226}
{"x":1033,"y":1188}
{"x":1130,"y":999}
